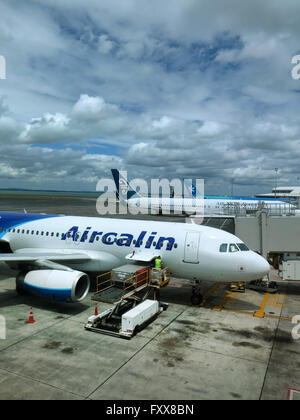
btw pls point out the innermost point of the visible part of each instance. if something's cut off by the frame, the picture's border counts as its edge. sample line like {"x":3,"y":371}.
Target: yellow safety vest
{"x":158,"y":263}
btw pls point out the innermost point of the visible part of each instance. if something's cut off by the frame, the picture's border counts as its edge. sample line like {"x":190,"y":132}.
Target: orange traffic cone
{"x":31,"y":319}
{"x":96,"y":310}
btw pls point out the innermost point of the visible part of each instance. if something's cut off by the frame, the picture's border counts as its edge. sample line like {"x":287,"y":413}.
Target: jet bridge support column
{"x":263,"y":223}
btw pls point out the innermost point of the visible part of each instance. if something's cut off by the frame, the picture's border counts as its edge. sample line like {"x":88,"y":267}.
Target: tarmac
{"x":237,"y":346}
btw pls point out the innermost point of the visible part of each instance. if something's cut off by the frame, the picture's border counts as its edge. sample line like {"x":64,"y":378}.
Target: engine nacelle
{"x":61,"y":286}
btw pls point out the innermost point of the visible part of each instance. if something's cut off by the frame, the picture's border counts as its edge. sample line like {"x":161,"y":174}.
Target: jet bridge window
{"x":233,"y":248}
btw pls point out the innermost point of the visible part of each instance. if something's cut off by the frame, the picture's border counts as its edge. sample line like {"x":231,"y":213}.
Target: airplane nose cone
{"x":261,"y":267}
{"x":264,"y":266}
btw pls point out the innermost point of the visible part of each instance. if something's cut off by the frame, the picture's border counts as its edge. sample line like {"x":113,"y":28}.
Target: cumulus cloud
{"x":178,"y":88}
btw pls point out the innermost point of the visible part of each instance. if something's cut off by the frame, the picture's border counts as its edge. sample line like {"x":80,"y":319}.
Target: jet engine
{"x":58,"y":285}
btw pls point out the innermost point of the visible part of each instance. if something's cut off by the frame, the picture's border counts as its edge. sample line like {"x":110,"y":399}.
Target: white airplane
{"x":54,"y":253}
{"x":197,"y":204}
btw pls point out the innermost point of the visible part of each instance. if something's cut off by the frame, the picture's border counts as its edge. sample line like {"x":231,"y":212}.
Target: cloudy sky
{"x":174,"y":88}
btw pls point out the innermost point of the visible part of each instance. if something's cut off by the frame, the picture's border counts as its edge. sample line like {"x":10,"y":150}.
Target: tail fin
{"x":191,"y":188}
{"x":122,"y":181}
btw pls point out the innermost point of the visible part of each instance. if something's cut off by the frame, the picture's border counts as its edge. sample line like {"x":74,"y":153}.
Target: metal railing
{"x":150,"y":277}
{"x":107,"y":280}
{"x":160,"y":277}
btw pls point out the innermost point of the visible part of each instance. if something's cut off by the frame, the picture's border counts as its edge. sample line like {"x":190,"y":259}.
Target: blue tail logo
{"x":122,"y":183}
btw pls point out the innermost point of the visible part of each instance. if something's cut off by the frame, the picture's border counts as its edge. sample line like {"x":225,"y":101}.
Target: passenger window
{"x":223,"y":248}
{"x":233,"y":248}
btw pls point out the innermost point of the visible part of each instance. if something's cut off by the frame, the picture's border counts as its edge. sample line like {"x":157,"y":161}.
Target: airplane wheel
{"x":196,"y":299}
{"x":20,"y":291}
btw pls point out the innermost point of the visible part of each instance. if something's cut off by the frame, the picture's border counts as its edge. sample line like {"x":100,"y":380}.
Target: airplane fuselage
{"x":201,"y":206}
{"x":191,"y":251}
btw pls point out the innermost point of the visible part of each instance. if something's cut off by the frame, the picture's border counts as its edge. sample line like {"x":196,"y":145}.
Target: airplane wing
{"x":32,"y":256}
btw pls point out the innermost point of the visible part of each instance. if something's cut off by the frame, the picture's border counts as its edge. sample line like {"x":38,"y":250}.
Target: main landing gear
{"x":197,"y":297}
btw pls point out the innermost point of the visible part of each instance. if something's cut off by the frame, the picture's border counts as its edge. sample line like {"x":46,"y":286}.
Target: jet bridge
{"x":276,"y":237}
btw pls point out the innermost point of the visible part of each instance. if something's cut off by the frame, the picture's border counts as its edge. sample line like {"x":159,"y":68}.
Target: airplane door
{"x":191,"y":247}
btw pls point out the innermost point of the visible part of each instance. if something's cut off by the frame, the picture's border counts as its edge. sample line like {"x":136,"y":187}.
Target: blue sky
{"x":175,"y":89}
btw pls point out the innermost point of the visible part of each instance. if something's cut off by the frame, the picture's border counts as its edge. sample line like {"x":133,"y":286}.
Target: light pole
{"x":276,"y":170}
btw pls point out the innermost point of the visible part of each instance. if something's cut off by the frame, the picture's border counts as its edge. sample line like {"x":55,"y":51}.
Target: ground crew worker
{"x":158,"y":263}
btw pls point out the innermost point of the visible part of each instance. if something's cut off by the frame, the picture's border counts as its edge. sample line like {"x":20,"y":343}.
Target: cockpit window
{"x":233,"y":248}
{"x":243,"y":247}
{"x":223,"y":248}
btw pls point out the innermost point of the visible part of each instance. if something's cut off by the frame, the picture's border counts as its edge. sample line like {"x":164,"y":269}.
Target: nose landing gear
{"x":263,"y":286}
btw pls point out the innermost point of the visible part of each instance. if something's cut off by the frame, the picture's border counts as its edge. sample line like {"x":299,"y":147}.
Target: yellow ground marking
{"x":209,"y":292}
{"x":260,"y":313}
{"x":224,"y":300}
{"x":273,"y":299}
